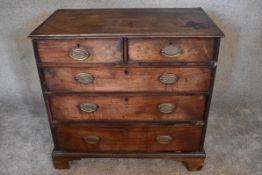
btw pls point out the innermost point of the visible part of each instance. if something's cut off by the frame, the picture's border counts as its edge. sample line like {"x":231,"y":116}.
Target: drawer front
{"x":80,"y":51}
{"x":171,"y":50}
{"x":94,"y":138}
{"x":170,"y":138}
{"x":125,"y":108}
{"x":128,"y":79}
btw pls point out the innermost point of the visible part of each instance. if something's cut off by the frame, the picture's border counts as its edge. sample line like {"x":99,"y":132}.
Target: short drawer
{"x":132,"y":79}
{"x":170,"y":50}
{"x":174,"y":138}
{"x":129,"y":107}
{"x":95,"y":138}
{"x":80,"y":51}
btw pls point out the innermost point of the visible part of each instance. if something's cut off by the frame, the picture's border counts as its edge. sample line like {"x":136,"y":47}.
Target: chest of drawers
{"x":132,"y":83}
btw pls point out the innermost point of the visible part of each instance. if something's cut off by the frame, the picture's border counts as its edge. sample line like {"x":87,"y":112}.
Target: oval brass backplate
{"x":166,"y":107}
{"x":168,"y":78}
{"x":79,"y":54}
{"x":92,"y":139}
{"x":171,"y":50}
{"x":164,"y":139}
{"x":88,"y":107}
{"x":84,"y":78}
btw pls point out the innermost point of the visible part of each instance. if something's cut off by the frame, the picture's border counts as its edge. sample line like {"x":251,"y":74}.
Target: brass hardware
{"x":171,"y":50}
{"x":79,"y":53}
{"x":166,"y":107}
{"x":199,"y":123}
{"x":84,"y":78}
{"x":215,"y":64}
{"x":164,"y":139}
{"x":88,"y":107}
{"x":92,"y":139}
{"x":168,"y":78}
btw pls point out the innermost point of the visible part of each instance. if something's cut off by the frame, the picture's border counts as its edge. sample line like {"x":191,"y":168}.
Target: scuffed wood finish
{"x":61,"y":162}
{"x":113,"y":138}
{"x":149,"y":50}
{"x":184,"y":138}
{"x":128,"y":22}
{"x":192,"y":160}
{"x":100,"y":50}
{"x":125,"y":138}
{"x":192,"y":163}
{"x":128,"y":79}
{"x":126,"y":63}
{"x":124,"y":108}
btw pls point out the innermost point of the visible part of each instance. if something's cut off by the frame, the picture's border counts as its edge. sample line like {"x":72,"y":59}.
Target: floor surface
{"x":233,"y":145}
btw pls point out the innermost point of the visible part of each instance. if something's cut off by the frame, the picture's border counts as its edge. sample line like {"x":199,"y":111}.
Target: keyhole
{"x":126,"y":72}
{"x":78,"y":45}
{"x":126,"y":99}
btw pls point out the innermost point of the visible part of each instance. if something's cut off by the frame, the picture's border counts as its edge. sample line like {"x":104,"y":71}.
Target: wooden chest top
{"x":189,"y":22}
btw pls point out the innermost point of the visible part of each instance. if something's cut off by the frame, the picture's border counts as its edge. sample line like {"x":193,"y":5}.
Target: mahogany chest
{"x":132,"y":83}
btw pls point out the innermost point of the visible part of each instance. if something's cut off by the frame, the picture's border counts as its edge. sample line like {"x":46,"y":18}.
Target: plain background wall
{"x":239,"y":71}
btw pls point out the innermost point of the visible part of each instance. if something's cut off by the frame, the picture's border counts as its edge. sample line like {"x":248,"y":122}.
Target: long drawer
{"x":132,"y":79}
{"x":133,"y":107}
{"x":93,"y":138}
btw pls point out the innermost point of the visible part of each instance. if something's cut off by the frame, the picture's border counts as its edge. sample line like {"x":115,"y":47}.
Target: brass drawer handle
{"x":79,"y":54}
{"x":168,"y":78}
{"x":164,"y":139}
{"x":171,"y":50}
{"x":88,"y":107}
{"x":84,"y":78}
{"x":166,"y":107}
{"x":92,"y":139}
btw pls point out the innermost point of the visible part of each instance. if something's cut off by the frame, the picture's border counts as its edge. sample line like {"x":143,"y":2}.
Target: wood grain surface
{"x":128,"y":22}
{"x":126,"y":62}
{"x":149,"y":50}
{"x":132,"y":79}
{"x":125,"y":138}
{"x":126,"y":108}
{"x":100,"y":50}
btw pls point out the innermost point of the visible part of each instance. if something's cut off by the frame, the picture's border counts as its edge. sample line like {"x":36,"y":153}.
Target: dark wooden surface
{"x":128,"y":22}
{"x":100,"y":50}
{"x":185,"y":138}
{"x":132,"y":79}
{"x":193,"y":160}
{"x":124,"y":138}
{"x":139,"y":50}
{"x":125,"y":59}
{"x":148,"y":50}
{"x":208,"y":102}
{"x":192,"y":164}
{"x":136,"y":107}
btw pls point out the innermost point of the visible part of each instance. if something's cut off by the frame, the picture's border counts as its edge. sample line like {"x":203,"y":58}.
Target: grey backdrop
{"x":234,"y":134}
{"x":240,"y":60}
